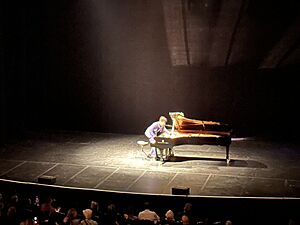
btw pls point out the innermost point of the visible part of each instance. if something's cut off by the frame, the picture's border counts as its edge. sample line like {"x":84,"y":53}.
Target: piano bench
{"x":142,"y":144}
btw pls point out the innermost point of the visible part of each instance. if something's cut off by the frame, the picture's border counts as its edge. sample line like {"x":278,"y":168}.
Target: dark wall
{"x":105,"y":66}
{"x":12,"y":86}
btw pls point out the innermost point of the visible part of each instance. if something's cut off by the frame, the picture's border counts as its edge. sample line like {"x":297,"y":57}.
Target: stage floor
{"x":114,"y":162}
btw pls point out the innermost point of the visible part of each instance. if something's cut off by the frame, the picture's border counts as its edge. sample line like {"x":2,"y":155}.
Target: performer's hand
{"x":172,"y":135}
{"x":152,"y":141}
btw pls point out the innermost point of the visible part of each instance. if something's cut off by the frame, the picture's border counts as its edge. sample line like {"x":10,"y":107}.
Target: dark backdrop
{"x":105,"y":66}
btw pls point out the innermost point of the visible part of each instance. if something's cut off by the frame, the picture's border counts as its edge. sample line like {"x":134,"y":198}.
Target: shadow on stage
{"x":218,"y":161}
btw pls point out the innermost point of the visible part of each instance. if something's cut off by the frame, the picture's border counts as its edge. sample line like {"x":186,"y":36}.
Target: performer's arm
{"x":150,"y":132}
{"x":167,"y":131}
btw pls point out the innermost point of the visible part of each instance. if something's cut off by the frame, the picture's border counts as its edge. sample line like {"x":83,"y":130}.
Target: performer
{"x":155,"y":129}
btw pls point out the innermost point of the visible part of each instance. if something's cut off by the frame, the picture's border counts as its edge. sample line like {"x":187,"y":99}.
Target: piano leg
{"x":162,"y":153}
{"x":156,"y":155}
{"x":168,"y":154}
{"x":227,"y":155}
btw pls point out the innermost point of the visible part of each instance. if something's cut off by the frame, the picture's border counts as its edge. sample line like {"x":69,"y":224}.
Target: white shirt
{"x":148,"y":215}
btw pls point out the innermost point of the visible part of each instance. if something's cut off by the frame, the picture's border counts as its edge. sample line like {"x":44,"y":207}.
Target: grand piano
{"x":185,"y":131}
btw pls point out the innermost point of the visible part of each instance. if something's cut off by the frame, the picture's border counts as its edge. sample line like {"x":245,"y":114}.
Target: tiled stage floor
{"x":114,"y":162}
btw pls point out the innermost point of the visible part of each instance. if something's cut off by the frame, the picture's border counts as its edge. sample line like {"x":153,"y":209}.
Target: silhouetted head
{"x":162,"y":121}
{"x":185,"y":220}
{"x":187,"y":207}
{"x":87,"y":213}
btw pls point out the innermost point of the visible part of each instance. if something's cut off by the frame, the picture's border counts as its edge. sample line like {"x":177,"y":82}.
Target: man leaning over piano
{"x":186,"y":131}
{"x":154,"y":130}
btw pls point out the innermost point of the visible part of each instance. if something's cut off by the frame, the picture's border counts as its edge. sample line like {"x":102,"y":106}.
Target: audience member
{"x":148,"y":214}
{"x":112,"y":216}
{"x":72,"y":217}
{"x":56,"y":216}
{"x":88,"y":213}
{"x":185,"y":220}
{"x":12,"y":217}
{"x":46,"y":211}
{"x":18,"y":210}
{"x":96,"y":211}
{"x":169,"y":218}
{"x":26,"y":218}
{"x":228,"y":222}
{"x":129,"y":216}
{"x":188,"y":211}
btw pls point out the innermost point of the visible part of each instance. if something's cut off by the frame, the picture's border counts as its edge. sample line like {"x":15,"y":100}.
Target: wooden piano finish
{"x":214,"y":134}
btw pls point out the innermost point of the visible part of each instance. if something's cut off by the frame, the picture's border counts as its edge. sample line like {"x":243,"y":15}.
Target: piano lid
{"x":182,"y":124}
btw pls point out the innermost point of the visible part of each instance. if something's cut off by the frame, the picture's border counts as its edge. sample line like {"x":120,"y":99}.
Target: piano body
{"x":187,"y":131}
